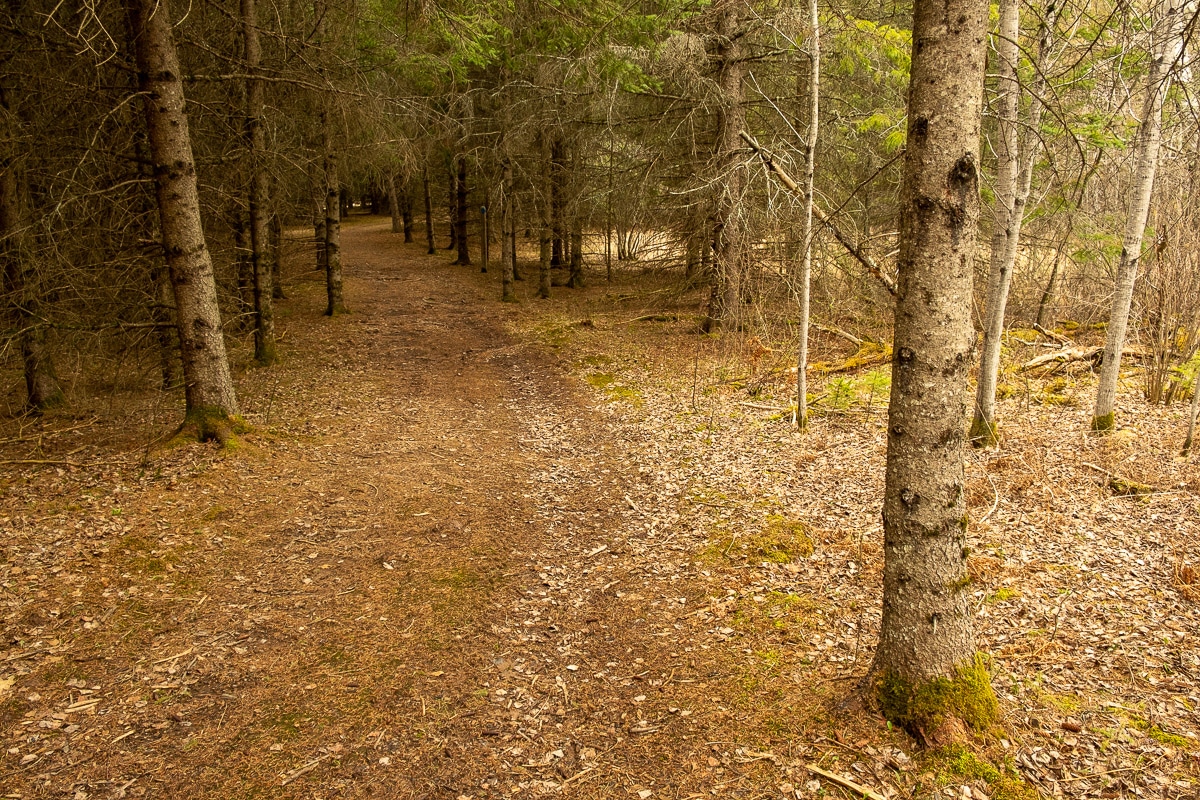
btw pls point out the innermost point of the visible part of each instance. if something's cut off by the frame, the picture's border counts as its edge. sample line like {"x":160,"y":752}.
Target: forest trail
{"x":425,"y":575}
{"x":481,"y":550}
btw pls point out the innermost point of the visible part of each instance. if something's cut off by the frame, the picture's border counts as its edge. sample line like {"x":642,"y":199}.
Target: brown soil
{"x":443,"y":566}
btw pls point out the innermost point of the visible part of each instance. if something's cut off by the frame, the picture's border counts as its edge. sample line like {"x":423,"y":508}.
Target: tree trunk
{"x":394,"y":205}
{"x":260,"y":245}
{"x":1014,"y":177}
{"x":507,"y":260}
{"x":460,"y":220}
{"x":453,"y":210}
{"x":428,"y":211}
{"x":926,"y":674}
{"x":319,"y":221}
{"x":1171,"y":31}
{"x":277,"y":292}
{"x":511,"y":243}
{"x":406,"y":213}
{"x":724,"y":301}
{"x":1192,"y":413}
{"x":546,"y":231}
{"x":244,"y":267}
{"x":558,"y":177}
{"x":806,"y":227}
{"x":333,"y":226}
{"x":208,"y":384}
{"x":576,"y":280}
{"x":42,"y":389}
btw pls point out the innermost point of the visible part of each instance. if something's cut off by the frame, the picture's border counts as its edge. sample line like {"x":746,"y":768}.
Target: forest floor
{"x":558,"y":548}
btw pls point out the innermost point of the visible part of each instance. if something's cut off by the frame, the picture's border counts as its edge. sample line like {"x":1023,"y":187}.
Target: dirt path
{"x":421,"y":577}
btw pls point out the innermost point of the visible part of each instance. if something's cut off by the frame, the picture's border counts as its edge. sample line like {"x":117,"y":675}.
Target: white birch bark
{"x":806,"y":225}
{"x":1167,"y":46}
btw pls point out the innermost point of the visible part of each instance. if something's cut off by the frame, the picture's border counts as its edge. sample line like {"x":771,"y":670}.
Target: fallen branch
{"x":849,"y":337}
{"x":846,"y":783}
{"x":853,"y":249}
{"x":309,"y":767}
{"x":1064,"y":356}
{"x":1058,"y":337}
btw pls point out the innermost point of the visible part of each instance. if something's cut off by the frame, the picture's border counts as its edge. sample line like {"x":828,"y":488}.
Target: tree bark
{"x":259,"y":200}
{"x":208,"y":384}
{"x":1171,"y":31}
{"x":927,"y":640}
{"x":428,"y":211}
{"x":725,"y":298}
{"x":806,"y":225}
{"x":460,"y":220}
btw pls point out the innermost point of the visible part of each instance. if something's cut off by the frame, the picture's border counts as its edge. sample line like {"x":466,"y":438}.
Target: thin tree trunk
{"x":333,"y":226}
{"x":1171,"y":32}
{"x":557,"y":200}
{"x":460,"y":219}
{"x":260,"y":245}
{"x":319,"y":221}
{"x":244,"y":267}
{"x":724,"y":301}
{"x":508,"y":260}
{"x":806,"y":227}
{"x":42,"y":389}
{"x":208,"y":384}
{"x":1192,"y":413}
{"x":394,"y":205}
{"x":485,"y":236}
{"x":1014,"y":177}
{"x":406,"y":212}
{"x":925,"y":663}
{"x":511,"y":244}
{"x":277,"y":292}
{"x":545,"y":232}
{"x":453,"y":210}
{"x":428,"y":211}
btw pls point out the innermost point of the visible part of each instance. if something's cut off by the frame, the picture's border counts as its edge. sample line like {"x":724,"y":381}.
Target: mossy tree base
{"x":212,"y":424}
{"x":336,"y":310}
{"x":939,"y":712}
{"x":984,"y":433}
{"x":1104,"y":423}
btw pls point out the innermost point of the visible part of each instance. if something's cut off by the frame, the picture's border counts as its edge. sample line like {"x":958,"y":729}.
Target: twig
{"x":845,"y":783}
{"x":309,"y":767}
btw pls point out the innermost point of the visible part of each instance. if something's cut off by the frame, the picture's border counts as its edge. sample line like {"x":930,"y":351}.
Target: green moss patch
{"x":921,"y":709}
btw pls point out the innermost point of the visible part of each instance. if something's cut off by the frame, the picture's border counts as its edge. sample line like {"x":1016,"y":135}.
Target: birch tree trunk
{"x":260,"y":235}
{"x":926,"y":675}
{"x":208,"y":384}
{"x":1014,"y":177}
{"x":806,"y":226}
{"x":1170,"y":33}
{"x":725,"y":299}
